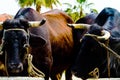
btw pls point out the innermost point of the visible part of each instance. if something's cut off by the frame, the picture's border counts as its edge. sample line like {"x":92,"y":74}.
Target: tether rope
{"x":109,"y":49}
{"x":108,"y":55}
{"x":32,"y":70}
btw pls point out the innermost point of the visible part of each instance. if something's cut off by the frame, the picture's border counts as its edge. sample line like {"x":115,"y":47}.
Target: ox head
{"x":15,"y":41}
{"x":91,"y":53}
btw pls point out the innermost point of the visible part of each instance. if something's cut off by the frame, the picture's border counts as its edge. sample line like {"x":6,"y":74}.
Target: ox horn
{"x":37,"y":23}
{"x":106,"y":35}
{"x":1,"y":25}
{"x":79,"y":26}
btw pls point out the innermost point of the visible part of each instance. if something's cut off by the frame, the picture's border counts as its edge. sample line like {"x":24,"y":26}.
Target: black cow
{"x":78,"y":33}
{"x":88,"y":19}
{"x":92,"y":56}
{"x":51,"y":45}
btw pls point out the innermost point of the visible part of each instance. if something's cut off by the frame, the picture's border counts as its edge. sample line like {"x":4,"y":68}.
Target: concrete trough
{"x":21,"y":78}
{"x":37,"y":78}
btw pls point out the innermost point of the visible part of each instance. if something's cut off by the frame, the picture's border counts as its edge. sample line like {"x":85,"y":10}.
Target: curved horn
{"x":1,"y":25}
{"x":105,"y":36}
{"x":79,"y":26}
{"x":36,"y":23}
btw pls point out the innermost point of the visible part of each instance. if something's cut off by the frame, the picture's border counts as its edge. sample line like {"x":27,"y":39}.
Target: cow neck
{"x":105,"y":66}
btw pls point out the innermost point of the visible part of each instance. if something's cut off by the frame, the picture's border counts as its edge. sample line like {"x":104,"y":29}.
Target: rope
{"x":6,"y":65}
{"x":32,"y":70}
{"x":108,"y":59}
{"x":108,"y":49}
{"x":103,"y":45}
{"x":2,"y":68}
{"x":1,"y":47}
{"x":95,"y":73}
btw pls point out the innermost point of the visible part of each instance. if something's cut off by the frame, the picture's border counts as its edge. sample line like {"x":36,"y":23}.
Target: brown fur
{"x":61,"y":40}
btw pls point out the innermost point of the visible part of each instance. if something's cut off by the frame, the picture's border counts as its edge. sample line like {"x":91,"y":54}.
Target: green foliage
{"x":49,"y":3}
{"x":94,"y":11}
{"x":73,"y":12}
{"x":38,"y":3}
{"x":78,"y":10}
{"x":25,"y":2}
{"x":81,"y":1}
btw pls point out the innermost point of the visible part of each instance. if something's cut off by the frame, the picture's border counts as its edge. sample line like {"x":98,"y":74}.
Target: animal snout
{"x":15,"y":67}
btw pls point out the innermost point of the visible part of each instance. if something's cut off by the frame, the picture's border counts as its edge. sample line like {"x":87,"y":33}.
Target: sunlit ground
{"x":63,"y":78}
{"x":33,"y":78}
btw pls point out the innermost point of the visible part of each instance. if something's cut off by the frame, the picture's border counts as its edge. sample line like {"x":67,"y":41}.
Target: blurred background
{"x":75,"y":8}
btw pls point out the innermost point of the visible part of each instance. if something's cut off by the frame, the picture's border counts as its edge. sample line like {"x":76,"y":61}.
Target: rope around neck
{"x":108,"y":49}
{"x":32,"y":70}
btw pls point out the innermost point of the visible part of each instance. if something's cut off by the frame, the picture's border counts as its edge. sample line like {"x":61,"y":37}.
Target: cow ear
{"x":37,"y":41}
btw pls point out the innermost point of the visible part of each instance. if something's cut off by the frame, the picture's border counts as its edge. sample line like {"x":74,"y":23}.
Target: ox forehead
{"x":15,"y":29}
{"x":15,"y":23}
{"x":21,"y":23}
{"x":14,"y":34}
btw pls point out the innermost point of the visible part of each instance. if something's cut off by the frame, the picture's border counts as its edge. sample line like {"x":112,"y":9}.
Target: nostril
{"x":15,"y":67}
{"x":12,"y":65}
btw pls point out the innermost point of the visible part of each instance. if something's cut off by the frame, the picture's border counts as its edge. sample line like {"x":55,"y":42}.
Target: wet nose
{"x":15,"y":67}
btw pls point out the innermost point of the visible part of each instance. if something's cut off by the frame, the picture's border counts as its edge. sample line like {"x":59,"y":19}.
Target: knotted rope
{"x":95,"y":73}
{"x":108,"y":55}
{"x":32,"y":70}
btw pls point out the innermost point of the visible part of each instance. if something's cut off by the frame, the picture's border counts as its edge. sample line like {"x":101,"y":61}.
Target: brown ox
{"x":51,"y":44}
